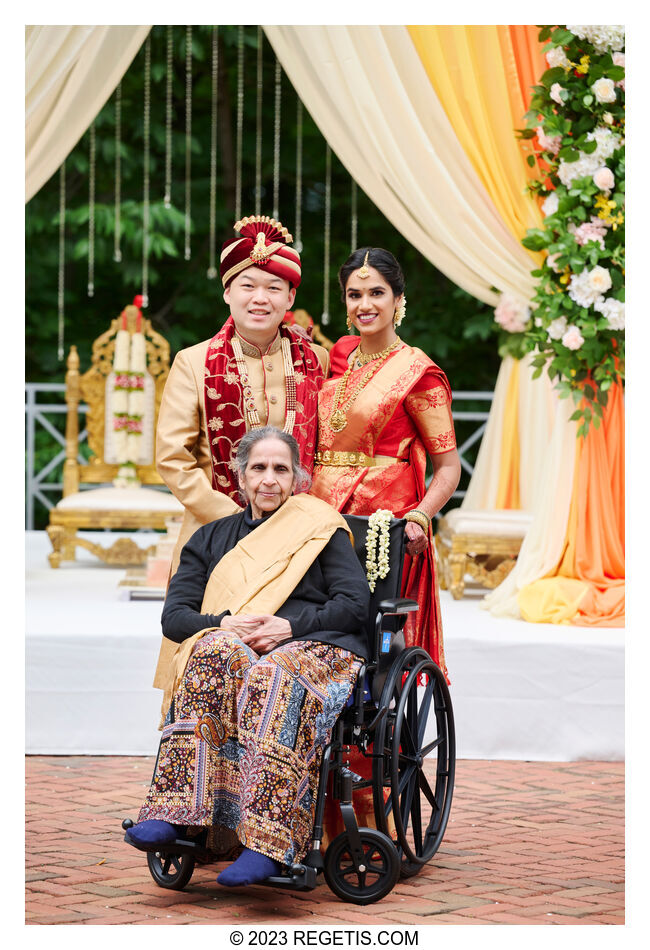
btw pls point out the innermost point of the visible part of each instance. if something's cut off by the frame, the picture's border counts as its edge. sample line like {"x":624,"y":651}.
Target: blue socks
{"x":249,"y":868}
{"x":152,"y":832}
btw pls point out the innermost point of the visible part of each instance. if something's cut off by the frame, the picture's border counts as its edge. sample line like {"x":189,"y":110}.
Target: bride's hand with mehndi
{"x":417,"y":540}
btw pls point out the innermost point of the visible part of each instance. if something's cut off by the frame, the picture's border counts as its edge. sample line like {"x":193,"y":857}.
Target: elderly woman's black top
{"x":330,"y":604}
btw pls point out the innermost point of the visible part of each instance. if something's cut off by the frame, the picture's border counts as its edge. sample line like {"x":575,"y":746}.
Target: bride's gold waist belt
{"x":354,"y":459}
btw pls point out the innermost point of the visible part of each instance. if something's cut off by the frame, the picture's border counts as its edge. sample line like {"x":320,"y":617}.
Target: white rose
{"x":599,"y":280}
{"x":573,"y":338}
{"x":608,"y":118}
{"x":550,"y":205}
{"x":614,"y":310}
{"x":555,"y":91}
{"x":604,"y":90}
{"x":557,"y":57}
{"x":618,"y":59}
{"x":557,"y":328}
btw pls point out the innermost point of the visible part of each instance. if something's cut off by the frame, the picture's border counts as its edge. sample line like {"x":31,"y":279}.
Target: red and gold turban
{"x":263,"y":243}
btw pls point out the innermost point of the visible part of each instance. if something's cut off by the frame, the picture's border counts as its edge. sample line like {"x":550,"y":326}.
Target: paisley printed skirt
{"x":241,"y":748}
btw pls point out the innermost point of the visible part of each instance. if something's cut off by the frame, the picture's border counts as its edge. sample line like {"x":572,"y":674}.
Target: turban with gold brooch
{"x":263,"y":243}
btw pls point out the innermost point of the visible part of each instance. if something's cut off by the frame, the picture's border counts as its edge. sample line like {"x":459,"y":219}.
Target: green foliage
{"x":590,"y":134}
{"x":449,"y":324}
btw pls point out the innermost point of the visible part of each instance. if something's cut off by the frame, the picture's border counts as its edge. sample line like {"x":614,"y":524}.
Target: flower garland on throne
{"x":128,"y":415}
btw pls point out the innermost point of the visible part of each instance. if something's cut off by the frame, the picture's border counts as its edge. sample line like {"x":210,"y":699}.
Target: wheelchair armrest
{"x":397,"y":605}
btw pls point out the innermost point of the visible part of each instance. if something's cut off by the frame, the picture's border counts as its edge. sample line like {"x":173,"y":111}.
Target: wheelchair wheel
{"x":172,"y":871}
{"x":381,"y":863}
{"x":419,"y":725}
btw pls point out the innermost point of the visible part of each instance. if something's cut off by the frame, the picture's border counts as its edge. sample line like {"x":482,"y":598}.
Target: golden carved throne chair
{"x":105,"y":505}
{"x":480,"y":544}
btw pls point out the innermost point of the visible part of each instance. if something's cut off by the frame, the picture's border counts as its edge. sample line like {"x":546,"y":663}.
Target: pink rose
{"x":547,"y":142}
{"x":573,"y":338}
{"x":604,"y":178}
{"x":511,"y":314}
{"x":590,"y":232}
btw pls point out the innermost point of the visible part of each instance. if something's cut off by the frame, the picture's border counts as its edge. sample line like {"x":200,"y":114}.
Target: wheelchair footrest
{"x":299,"y":878}
{"x":178,"y":846}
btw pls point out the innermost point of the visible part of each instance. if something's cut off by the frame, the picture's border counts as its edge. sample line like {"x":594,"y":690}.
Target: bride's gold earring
{"x":400,"y":313}
{"x":348,"y":322}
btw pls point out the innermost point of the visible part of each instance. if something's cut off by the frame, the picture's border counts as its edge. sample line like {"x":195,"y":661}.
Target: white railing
{"x":47,"y":493}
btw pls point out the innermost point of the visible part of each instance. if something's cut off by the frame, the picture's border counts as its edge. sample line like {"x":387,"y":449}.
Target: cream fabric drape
{"x":370,"y":95}
{"x":537,"y":407}
{"x":544,"y":542}
{"x":70,"y":71}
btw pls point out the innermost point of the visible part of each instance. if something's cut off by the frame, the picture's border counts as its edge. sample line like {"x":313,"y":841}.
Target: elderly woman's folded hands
{"x":261,"y":632}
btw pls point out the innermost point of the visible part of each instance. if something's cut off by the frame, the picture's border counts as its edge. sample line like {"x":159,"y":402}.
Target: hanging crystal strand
{"x":354,"y":223}
{"x":276,"y":140}
{"x":168,"y":119}
{"x":188,"y":139}
{"x":60,"y":295}
{"x":212,"y":269}
{"x":325,"y":319}
{"x":91,"y":213}
{"x":240,"y":119}
{"x":117,"y":253}
{"x":258,"y":125}
{"x":145,"y":195}
{"x":298,"y":229}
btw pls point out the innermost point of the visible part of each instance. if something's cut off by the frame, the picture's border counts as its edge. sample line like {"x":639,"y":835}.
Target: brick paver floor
{"x":527,"y":843}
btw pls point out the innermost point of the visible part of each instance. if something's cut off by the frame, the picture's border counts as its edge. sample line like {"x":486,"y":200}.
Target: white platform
{"x":519,"y":690}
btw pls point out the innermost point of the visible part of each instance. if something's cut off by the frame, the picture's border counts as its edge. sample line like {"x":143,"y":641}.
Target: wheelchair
{"x":398,"y":715}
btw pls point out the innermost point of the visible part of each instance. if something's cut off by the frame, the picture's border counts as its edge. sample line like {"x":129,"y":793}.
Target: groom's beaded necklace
{"x":338,"y":419}
{"x":252,"y":414}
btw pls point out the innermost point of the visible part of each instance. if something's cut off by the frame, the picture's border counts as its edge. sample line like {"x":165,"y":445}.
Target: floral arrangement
{"x":129,"y":367}
{"x":377,"y":563}
{"x":576,"y":122}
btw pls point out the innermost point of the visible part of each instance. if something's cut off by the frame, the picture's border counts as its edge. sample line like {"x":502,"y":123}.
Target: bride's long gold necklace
{"x":338,"y":419}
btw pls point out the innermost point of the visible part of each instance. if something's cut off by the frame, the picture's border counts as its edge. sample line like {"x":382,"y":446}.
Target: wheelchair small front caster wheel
{"x":381,"y":867}
{"x":172,"y":871}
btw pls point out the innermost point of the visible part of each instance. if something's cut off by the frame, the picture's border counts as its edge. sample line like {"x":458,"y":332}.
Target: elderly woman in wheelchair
{"x":269,"y":608}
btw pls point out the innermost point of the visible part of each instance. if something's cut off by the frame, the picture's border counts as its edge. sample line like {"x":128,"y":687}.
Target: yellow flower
{"x":584,"y":65}
{"x":564,"y":279}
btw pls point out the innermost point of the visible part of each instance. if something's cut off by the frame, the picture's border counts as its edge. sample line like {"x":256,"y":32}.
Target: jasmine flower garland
{"x":377,"y":565}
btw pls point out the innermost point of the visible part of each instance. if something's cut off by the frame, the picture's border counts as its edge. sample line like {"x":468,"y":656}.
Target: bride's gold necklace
{"x":338,"y":419}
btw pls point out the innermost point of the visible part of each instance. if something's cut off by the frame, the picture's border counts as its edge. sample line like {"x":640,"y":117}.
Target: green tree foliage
{"x":184,"y":305}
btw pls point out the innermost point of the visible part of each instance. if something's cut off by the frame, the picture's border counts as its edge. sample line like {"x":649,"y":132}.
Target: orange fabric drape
{"x":529,"y":63}
{"x":588,"y":585}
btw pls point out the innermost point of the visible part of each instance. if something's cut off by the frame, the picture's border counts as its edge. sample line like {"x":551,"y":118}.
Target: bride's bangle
{"x":418,"y":517}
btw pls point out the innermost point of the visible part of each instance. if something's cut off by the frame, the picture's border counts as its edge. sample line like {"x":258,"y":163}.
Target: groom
{"x":254,"y":371}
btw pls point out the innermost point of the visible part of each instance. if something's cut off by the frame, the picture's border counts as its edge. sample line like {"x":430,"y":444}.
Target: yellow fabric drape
{"x":474,"y":72}
{"x":508,"y":488}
